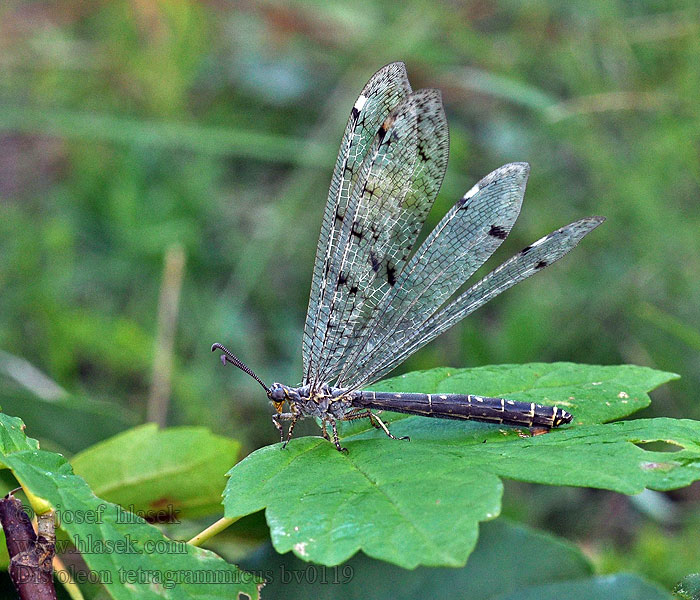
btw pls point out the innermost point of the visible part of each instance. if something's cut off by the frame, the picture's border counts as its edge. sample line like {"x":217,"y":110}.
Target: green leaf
{"x":176,"y":471}
{"x":12,"y":437}
{"x":132,"y":558}
{"x":61,"y":421}
{"x":508,"y":557}
{"x":420,"y":502}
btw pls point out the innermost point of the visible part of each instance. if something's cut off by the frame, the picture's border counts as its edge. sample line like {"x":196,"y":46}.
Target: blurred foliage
{"x":658,"y":551}
{"x":128,"y":127}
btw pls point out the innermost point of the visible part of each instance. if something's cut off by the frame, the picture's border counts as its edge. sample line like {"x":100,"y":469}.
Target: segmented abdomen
{"x":465,"y":407}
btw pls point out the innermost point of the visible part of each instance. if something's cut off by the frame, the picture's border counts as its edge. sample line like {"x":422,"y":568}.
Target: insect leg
{"x":376,"y":422}
{"x":379,"y":424}
{"x":324,"y":431}
{"x":355,"y":413}
{"x":295,"y":418}
{"x":336,"y":441}
{"x":275,"y":420}
{"x":277,"y":417}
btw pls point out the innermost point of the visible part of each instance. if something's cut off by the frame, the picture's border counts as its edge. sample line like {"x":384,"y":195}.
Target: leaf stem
{"x":212,"y":530}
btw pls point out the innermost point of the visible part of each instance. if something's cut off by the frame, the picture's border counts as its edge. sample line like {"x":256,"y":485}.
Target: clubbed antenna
{"x":228,"y":357}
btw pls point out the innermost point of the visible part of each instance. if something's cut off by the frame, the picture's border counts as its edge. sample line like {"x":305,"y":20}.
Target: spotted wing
{"x":385,"y":89}
{"x":394,"y":191}
{"x":403,"y":342}
{"x":463,"y":240}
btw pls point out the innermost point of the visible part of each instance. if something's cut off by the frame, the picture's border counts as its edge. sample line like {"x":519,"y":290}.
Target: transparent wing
{"x":385,"y":89}
{"x":463,"y":240}
{"x":402,"y":343}
{"x":395,"y":189}
{"x":394,"y":200}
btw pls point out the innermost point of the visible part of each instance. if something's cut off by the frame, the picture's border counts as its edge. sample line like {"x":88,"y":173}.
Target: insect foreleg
{"x":295,"y":418}
{"x":278,"y":417}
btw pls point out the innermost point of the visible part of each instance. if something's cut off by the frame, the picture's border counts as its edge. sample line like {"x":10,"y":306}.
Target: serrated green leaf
{"x":132,"y":558}
{"x":325,"y":506}
{"x":12,"y":437}
{"x":176,"y":471}
{"x":420,"y":502}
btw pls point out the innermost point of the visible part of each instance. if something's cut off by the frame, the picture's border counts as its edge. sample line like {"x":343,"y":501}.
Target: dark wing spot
{"x":342,"y":278}
{"x":498,"y":232}
{"x":526,"y":249}
{"x":422,"y":154}
{"x":354,"y":113}
{"x":391,"y":275}
{"x":356,"y":231}
{"x":541,"y":265}
{"x":375,"y":261}
{"x":381,"y":132}
{"x":353,"y":289}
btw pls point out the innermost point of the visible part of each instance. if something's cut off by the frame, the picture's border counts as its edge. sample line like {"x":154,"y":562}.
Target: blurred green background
{"x":202,"y":136}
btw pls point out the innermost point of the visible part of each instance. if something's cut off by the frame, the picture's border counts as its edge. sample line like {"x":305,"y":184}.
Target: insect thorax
{"x":325,"y":401}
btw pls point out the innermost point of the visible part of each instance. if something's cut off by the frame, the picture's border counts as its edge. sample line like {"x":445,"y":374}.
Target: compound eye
{"x":277,"y":395}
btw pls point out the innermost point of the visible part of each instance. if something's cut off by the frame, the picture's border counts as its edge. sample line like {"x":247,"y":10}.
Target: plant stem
{"x":212,"y":530}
